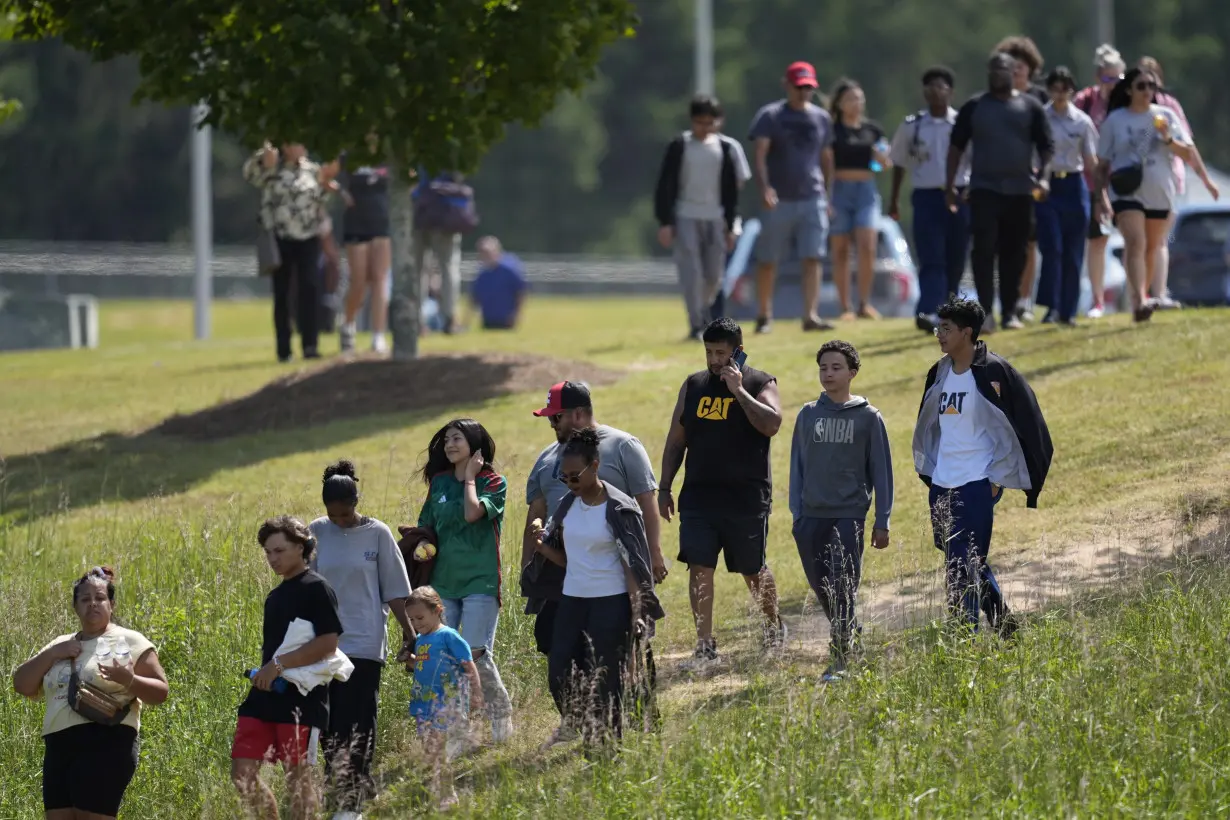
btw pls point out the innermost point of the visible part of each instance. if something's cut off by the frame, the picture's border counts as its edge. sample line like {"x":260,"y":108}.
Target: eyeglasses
{"x":943,"y":330}
{"x":573,"y":478}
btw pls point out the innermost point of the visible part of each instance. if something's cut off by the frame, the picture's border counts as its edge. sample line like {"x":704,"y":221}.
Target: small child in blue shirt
{"x":438,"y":697}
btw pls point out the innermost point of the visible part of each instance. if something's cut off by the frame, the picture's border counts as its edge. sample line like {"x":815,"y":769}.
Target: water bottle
{"x":103,"y":652}
{"x":279,"y":684}
{"x":881,"y":146}
{"x":123,"y":652}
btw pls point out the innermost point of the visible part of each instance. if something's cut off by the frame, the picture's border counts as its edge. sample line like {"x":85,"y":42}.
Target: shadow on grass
{"x":329,"y":405}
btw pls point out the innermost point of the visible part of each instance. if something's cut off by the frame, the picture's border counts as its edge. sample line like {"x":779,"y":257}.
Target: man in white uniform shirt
{"x":979,"y":431}
{"x":941,"y":236}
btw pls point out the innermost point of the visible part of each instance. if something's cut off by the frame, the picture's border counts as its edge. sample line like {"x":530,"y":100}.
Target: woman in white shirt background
{"x":87,"y":765}
{"x":1136,"y":143}
{"x":600,"y":610}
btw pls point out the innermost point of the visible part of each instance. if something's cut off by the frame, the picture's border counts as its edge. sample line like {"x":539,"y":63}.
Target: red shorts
{"x":287,"y":743}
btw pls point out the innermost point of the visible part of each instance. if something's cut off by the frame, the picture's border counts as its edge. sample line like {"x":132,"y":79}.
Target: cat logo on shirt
{"x":713,"y":408}
{"x":952,"y":404}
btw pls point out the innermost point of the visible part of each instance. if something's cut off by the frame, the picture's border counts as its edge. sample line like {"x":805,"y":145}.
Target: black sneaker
{"x":836,"y":671}
{"x":705,"y":657}
{"x":1143,"y":313}
{"x":774,"y":637}
{"x":764,"y":325}
{"x":924,"y":323}
{"x":1008,"y":625}
{"x":311,"y":353}
{"x":1051,"y":317}
{"x":810,"y":325}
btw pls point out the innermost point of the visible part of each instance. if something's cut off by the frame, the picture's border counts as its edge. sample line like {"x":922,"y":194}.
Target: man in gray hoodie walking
{"x":839,"y":455}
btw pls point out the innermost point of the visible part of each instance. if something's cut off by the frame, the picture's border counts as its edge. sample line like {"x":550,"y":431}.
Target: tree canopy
{"x":437,"y":80}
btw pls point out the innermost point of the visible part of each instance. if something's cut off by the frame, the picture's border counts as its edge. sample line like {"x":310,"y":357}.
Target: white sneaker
{"x":379,"y":343}
{"x":346,"y":336}
{"x":347,"y":815}
{"x":501,"y":730}
{"x":1095,"y":312}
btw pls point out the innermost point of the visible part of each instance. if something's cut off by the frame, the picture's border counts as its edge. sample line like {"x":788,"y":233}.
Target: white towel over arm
{"x":306,"y":678}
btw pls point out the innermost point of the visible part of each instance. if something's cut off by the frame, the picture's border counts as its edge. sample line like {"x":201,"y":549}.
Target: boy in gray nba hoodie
{"x":839,"y":456}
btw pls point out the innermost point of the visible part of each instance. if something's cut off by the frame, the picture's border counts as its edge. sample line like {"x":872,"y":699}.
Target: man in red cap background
{"x":794,"y":158}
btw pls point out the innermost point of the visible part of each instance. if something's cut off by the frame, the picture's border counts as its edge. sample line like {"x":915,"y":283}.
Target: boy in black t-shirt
{"x":285,"y":726}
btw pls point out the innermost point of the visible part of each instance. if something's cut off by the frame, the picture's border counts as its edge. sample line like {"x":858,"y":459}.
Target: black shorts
{"x":743,"y":538}
{"x":1121,"y":205}
{"x":88,"y":767}
{"x":360,"y":238}
{"x":1097,"y":230}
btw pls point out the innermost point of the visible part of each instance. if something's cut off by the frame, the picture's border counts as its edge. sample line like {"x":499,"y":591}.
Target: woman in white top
{"x":1135,"y":146}
{"x":600,"y":610}
{"x":88,"y":763}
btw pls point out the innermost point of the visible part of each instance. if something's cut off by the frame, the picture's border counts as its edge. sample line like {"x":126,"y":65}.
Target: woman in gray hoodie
{"x":839,"y":455}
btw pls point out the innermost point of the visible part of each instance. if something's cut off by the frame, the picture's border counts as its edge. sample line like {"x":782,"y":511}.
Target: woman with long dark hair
{"x":95,"y":682}
{"x":859,"y":148}
{"x":1135,"y":147}
{"x":465,"y":507}
{"x":1160,"y":278}
{"x":359,"y":558}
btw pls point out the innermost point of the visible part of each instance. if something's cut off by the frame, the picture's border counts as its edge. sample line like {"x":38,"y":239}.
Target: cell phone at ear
{"x":739,"y":358}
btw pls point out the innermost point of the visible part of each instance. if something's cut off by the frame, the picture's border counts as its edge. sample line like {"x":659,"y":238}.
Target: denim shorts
{"x":475,"y":617}
{"x":795,"y":229}
{"x":856,"y":204}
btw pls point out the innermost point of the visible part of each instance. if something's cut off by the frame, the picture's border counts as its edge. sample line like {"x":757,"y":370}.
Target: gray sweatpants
{"x":700,"y":257}
{"x":446,"y":248}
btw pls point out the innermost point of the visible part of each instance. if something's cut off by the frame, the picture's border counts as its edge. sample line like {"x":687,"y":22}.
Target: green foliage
{"x":438,"y":80}
{"x":7,"y":107}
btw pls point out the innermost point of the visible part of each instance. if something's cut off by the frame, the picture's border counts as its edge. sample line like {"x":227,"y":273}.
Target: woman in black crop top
{"x":859,"y":151}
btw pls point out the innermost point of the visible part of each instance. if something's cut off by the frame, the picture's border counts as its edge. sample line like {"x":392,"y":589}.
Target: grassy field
{"x":1109,"y":707}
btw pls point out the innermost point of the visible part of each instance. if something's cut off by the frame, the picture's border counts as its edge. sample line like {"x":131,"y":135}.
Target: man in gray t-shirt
{"x":794,"y":157}
{"x":623,"y":462}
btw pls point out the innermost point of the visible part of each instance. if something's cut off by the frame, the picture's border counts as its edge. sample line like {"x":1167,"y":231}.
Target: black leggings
{"x":589,"y":654}
{"x":1000,"y":225}
{"x":350,"y":741}
{"x":300,"y":265}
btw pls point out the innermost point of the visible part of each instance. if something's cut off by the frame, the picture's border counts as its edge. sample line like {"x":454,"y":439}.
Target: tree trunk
{"x":405,"y":308}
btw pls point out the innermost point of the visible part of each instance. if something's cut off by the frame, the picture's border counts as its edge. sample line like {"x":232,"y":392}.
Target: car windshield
{"x":1204,"y":228}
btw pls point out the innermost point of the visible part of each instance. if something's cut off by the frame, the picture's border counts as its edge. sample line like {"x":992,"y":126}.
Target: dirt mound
{"x":343,"y":390}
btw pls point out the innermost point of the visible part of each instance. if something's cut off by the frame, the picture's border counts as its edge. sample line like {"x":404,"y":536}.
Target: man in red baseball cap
{"x":623,"y":463}
{"x":794,"y":157}
{"x":801,"y":75}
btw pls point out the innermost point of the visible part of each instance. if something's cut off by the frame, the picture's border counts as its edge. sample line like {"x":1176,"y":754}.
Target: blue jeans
{"x":856,"y":204}
{"x":1063,"y":224}
{"x":941,"y":239}
{"x":795,"y":229}
{"x":475,"y":617}
{"x":962,"y":520}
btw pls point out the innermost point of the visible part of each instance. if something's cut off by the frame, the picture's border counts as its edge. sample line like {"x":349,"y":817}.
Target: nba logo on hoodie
{"x":831,"y":430}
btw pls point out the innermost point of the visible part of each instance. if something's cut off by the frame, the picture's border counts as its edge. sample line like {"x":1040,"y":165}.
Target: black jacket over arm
{"x":666,"y":193}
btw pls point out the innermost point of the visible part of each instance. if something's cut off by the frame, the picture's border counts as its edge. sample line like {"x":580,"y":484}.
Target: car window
{"x":1204,"y":228}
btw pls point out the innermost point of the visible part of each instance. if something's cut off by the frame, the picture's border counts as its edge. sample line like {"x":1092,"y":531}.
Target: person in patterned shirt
{"x":292,"y":192}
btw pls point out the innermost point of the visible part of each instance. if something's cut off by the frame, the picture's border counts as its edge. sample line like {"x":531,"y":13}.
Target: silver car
{"x":894,"y":290}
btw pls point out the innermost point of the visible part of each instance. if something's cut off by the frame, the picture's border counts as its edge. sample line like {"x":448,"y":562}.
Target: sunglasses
{"x":573,"y":478}
{"x":555,"y":419}
{"x":1145,"y":85}
{"x":1111,"y":78}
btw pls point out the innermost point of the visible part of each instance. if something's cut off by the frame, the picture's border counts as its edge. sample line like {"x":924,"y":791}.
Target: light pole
{"x":1103,"y":22}
{"x":202,"y":221}
{"x":704,"y":47}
